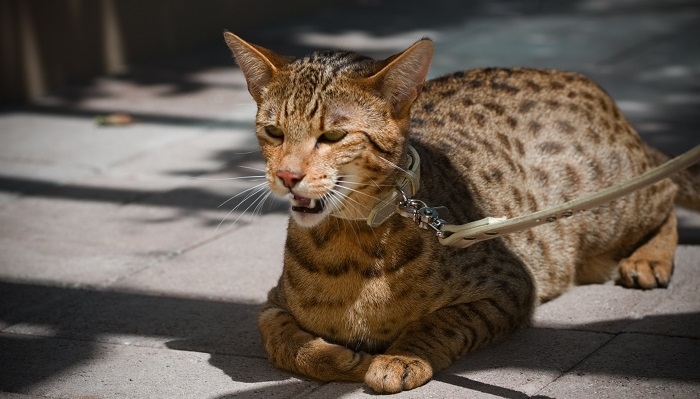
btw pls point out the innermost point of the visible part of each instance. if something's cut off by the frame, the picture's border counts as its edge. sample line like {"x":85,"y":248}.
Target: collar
{"x":406,"y":187}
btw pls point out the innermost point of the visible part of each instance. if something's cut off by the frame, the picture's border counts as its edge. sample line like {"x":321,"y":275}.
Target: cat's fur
{"x":389,"y":305}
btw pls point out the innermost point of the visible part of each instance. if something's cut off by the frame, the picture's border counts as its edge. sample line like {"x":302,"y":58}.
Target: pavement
{"x":133,"y":261}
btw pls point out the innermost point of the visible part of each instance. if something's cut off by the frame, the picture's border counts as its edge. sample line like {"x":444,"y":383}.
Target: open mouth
{"x":307,"y":205}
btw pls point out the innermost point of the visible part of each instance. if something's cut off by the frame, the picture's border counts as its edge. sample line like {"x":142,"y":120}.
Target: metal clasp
{"x":429,"y":219}
{"x":424,"y":216}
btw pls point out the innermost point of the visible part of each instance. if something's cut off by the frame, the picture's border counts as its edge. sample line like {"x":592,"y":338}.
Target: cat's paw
{"x":645,"y":274}
{"x":392,"y":373}
{"x":330,"y":362}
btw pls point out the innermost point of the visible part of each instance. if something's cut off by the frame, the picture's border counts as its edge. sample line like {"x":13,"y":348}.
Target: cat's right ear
{"x":401,"y":78}
{"x":257,"y":63}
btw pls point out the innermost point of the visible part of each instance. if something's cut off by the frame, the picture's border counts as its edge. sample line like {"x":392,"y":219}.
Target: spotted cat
{"x":384,"y":302}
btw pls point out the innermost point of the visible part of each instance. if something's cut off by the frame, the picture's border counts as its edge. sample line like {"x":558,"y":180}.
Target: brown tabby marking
{"x":389,"y":305}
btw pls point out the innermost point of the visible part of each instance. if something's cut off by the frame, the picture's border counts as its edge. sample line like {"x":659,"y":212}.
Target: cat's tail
{"x":688,"y":180}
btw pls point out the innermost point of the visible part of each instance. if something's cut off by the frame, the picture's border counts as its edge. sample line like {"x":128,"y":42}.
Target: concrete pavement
{"x":122,"y":275}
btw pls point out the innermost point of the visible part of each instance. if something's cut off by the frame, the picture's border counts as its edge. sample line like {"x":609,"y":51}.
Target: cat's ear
{"x":401,"y":78}
{"x":257,"y":63}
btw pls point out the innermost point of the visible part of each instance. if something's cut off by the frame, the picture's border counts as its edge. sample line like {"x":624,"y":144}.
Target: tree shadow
{"x":47,"y":330}
{"x":35,"y":316}
{"x":472,"y":385}
{"x":186,"y":198}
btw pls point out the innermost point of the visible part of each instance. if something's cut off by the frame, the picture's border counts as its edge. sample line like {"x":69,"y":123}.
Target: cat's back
{"x":547,"y":111}
{"x":554,"y":134}
{"x":515,"y":141}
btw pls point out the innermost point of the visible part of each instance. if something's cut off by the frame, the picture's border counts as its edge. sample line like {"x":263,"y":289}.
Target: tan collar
{"x":406,"y":187}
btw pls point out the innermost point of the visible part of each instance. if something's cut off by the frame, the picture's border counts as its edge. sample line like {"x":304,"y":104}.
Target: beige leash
{"x":462,"y":236}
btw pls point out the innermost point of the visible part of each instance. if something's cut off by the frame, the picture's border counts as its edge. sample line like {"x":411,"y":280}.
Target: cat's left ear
{"x":257,"y":63}
{"x":401,"y":79}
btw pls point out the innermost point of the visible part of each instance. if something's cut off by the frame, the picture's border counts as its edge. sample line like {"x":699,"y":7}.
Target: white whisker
{"x":395,"y":166}
{"x":338,"y":201}
{"x":374,"y":183}
{"x":251,"y":168}
{"x":243,"y":192}
{"x":253,"y":178}
{"x":259,"y":208}
{"x":358,"y":191}
{"x":258,"y":189}
{"x":352,"y":200}
{"x":343,"y":203}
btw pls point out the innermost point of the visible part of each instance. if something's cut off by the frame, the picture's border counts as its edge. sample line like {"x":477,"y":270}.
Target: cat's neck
{"x":406,"y":182}
{"x":351,"y":235}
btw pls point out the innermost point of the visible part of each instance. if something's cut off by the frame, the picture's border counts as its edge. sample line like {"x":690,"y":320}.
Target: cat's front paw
{"x":645,"y":274}
{"x":393,"y":373}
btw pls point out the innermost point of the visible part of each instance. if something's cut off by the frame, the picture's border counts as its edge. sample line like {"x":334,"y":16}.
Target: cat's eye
{"x":274,"y":131}
{"x":333,"y":136}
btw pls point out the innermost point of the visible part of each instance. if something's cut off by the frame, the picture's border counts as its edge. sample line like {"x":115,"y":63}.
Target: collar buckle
{"x":407,"y":186}
{"x":426,"y":217}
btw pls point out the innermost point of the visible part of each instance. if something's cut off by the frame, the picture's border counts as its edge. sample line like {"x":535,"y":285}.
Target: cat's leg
{"x":651,"y":264}
{"x":293,"y":349}
{"x":435,"y":341}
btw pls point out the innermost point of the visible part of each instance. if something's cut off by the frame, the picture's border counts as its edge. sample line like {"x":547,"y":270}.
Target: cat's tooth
{"x":312,"y":203}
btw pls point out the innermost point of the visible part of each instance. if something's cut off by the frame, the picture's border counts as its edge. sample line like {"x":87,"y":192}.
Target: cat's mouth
{"x":307,"y":205}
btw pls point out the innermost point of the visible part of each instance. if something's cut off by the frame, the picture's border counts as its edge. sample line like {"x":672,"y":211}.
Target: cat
{"x":385,"y":302}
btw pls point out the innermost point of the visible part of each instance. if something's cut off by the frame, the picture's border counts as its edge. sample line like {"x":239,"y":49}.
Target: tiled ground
{"x":122,"y":276}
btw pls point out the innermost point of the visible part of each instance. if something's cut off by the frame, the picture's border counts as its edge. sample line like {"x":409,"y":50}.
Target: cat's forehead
{"x":336,"y":63}
{"x":317,"y":83}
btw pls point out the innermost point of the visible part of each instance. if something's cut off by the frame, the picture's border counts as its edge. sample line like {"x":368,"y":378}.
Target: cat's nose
{"x":289,"y":178}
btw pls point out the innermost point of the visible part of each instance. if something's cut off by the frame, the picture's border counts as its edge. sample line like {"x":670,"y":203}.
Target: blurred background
{"x":46,"y":44}
{"x":92,"y":51}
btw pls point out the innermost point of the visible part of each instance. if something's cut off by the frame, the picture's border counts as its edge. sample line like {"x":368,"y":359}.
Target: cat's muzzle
{"x":307,"y":205}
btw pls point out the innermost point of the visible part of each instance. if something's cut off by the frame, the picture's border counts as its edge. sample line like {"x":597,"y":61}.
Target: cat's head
{"x":332,"y":125}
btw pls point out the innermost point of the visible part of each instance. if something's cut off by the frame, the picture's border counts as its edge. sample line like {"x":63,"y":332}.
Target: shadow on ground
{"x":59,"y":328}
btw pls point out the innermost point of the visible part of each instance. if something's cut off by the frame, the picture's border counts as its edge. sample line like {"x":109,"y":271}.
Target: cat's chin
{"x":307,"y":212}
{"x":307,"y":219}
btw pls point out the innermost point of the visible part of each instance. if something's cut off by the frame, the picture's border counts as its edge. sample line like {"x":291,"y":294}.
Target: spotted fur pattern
{"x":389,"y":305}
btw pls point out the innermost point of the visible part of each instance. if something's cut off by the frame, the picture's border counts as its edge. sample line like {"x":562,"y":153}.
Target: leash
{"x":462,"y":236}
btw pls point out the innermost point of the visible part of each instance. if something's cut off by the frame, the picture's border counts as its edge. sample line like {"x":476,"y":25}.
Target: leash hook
{"x":426,"y":217}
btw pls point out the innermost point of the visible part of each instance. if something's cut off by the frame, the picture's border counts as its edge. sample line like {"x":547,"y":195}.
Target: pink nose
{"x":289,"y":178}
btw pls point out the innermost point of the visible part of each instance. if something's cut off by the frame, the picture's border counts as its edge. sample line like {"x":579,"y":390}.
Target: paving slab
{"x":79,"y":142}
{"x":634,"y":366}
{"x":550,"y":40}
{"x":217,"y":192}
{"x":6,"y":198}
{"x":79,"y":369}
{"x":127,"y":318}
{"x":25,"y":177}
{"x":516,"y":368}
{"x":18,"y":299}
{"x":677,"y":315}
{"x":236,"y":266}
{"x":612,"y":308}
{"x":206,"y":299}
{"x":81,"y":242}
{"x":214,"y":151}
{"x":158,"y":93}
